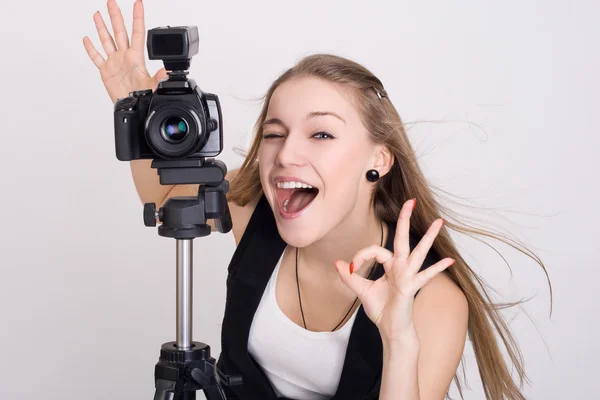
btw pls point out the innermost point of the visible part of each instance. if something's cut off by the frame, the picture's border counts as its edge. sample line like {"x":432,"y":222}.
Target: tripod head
{"x":186,"y":366}
{"x":186,"y":217}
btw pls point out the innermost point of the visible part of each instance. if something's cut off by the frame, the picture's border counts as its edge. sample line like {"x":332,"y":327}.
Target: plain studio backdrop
{"x":509,"y":95}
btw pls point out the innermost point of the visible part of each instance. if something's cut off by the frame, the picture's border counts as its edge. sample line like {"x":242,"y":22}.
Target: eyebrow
{"x":277,"y":121}
{"x":323,"y":113}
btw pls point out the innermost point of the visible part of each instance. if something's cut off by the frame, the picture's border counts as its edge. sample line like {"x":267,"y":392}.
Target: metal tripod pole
{"x":184,"y":293}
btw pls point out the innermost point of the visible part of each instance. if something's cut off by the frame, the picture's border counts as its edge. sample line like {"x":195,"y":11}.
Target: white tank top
{"x":299,"y":363}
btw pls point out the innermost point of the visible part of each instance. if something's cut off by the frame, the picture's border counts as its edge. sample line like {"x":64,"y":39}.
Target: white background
{"x":511,"y":93}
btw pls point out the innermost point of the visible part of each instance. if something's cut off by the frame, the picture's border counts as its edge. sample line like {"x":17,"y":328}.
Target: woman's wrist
{"x":401,"y":346}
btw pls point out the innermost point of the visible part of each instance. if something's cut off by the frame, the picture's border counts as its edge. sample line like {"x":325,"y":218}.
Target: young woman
{"x":337,"y":231}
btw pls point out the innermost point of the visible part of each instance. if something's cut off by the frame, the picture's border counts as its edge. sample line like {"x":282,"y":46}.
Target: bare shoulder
{"x":441,"y":296}
{"x":240,"y":215}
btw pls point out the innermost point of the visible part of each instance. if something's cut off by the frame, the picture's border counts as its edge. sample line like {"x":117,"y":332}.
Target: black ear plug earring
{"x":372,"y":175}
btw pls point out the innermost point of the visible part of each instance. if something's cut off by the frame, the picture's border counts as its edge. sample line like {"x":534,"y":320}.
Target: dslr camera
{"x":177,"y":120}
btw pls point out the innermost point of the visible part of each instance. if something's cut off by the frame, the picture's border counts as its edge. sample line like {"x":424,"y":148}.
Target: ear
{"x":383,"y":159}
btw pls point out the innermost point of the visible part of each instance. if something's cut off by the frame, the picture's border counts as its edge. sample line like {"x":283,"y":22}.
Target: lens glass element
{"x":174,"y":129}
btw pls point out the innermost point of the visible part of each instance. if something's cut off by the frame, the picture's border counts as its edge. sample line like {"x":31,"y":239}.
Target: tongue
{"x":300,"y":199}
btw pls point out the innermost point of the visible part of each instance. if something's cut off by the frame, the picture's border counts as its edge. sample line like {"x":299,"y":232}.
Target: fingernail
{"x":442,"y":222}
{"x":414,"y":204}
{"x":352,"y":267}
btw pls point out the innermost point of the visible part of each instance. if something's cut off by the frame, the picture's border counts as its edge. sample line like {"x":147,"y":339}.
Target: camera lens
{"x":174,"y":129}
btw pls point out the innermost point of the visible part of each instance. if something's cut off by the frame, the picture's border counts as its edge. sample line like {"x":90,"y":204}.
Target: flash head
{"x":174,"y":45}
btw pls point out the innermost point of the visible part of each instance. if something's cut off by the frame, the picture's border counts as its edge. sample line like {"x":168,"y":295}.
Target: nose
{"x":290,"y":153}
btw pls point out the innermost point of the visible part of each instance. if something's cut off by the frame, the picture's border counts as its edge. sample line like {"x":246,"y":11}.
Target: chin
{"x":297,"y":239}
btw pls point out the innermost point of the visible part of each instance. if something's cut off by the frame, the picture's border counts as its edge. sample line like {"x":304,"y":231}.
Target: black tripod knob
{"x":150,"y":214}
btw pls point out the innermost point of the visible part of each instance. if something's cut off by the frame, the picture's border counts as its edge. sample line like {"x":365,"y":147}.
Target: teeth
{"x":293,"y":185}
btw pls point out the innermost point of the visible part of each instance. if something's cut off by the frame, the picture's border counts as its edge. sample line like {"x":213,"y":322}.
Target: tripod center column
{"x":184,"y":293}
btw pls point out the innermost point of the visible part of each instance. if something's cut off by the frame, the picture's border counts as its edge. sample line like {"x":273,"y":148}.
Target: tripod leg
{"x":165,"y":390}
{"x":214,"y":393}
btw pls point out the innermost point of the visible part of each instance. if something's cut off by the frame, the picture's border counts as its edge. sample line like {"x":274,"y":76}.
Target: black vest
{"x":249,"y":271}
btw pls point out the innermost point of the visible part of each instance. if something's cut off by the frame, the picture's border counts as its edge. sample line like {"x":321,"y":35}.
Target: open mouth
{"x":294,"y":197}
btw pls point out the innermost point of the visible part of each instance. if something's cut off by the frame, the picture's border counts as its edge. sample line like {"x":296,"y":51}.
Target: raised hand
{"x":388,"y":301}
{"x":124,"y":68}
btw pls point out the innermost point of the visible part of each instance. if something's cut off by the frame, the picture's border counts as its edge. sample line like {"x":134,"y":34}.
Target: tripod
{"x":186,"y":366}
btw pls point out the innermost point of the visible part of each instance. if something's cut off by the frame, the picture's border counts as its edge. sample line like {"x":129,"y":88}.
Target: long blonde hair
{"x":405,"y":180}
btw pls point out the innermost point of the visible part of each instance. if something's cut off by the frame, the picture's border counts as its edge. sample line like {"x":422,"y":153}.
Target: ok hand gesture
{"x":388,"y":301}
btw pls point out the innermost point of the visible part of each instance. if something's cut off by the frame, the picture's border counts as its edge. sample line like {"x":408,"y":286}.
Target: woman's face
{"x":313,"y":136}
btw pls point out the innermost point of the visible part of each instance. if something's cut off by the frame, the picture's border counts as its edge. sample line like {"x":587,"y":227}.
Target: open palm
{"x":124,"y":68}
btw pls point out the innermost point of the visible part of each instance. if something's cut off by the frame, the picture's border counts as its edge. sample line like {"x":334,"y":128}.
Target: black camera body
{"x":176,"y":121}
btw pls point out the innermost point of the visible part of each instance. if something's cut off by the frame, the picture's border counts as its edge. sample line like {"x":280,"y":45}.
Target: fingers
{"x":401,"y":239}
{"x":419,"y":253}
{"x":116,"y":20}
{"x":107,"y":41}
{"x":428,"y":274}
{"x":355,"y":282}
{"x":94,"y":55}
{"x":138,"y":33}
{"x":374,"y":252}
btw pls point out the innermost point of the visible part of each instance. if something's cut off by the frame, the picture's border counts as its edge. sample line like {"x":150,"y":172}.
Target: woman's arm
{"x":400,"y":374}
{"x":421,"y":365}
